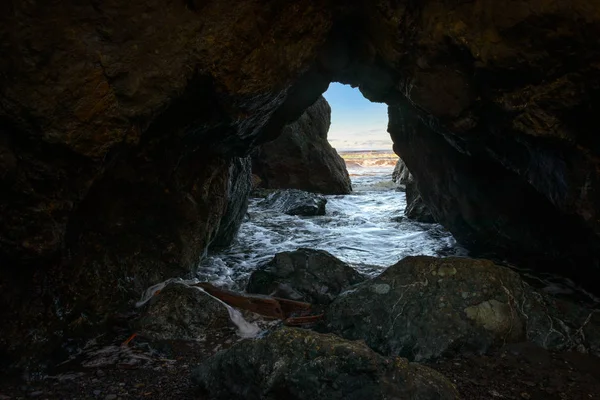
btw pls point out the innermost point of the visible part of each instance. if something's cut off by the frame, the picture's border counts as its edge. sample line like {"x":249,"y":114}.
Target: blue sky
{"x":356,"y":123}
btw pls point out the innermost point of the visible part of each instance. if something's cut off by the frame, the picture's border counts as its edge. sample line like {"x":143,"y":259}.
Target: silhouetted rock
{"x":297,"y":364}
{"x":296,"y":202}
{"x":401,"y":175}
{"x":302,"y":158}
{"x":313,"y":276}
{"x":415,"y":207}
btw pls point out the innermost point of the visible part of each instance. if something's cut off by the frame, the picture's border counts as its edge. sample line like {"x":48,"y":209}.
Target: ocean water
{"x":366,"y":229}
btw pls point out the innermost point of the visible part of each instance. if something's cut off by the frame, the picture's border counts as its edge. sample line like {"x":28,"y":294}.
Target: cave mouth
{"x":362,"y":223}
{"x":356,"y":123}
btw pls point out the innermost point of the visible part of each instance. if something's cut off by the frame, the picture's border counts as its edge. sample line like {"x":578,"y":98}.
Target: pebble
{"x":97,"y":392}
{"x":100,"y":373}
{"x":110,"y":397}
{"x":36,"y":393}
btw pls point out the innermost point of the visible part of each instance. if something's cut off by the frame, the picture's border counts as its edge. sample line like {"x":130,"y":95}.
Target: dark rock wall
{"x":416,"y":208}
{"x":401,"y":175}
{"x":302,"y":158}
{"x":119,"y":120}
{"x":489,"y":209}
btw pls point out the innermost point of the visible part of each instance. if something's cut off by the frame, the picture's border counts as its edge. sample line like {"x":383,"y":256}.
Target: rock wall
{"x":302,"y":158}
{"x":489,"y":209}
{"x":117,"y":133}
{"x":119,"y":120}
{"x":415,"y":207}
{"x":401,"y":176}
{"x":239,"y":188}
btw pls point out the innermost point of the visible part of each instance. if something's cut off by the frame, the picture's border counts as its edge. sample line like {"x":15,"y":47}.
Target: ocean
{"x":366,"y":229}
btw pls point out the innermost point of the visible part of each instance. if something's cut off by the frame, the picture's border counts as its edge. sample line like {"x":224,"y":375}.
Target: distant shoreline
{"x":366,"y":151}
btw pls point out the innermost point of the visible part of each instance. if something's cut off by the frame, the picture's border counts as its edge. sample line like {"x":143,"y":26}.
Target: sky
{"x":356,"y":123}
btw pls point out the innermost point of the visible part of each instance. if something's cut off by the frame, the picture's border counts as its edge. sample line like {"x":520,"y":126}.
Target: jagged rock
{"x":401,"y":175}
{"x":240,"y":186}
{"x":416,"y":208}
{"x":313,"y":276}
{"x":297,"y":364}
{"x":181,"y":312}
{"x":424,"y":307}
{"x":302,"y":158}
{"x":296,"y":202}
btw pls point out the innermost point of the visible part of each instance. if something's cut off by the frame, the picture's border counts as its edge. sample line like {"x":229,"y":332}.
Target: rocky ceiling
{"x":120,"y":121}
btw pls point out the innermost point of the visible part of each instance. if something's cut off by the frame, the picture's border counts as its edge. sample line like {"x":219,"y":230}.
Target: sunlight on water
{"x":365,"y":229}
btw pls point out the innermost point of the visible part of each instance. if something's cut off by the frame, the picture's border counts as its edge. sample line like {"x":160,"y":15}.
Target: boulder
{"x":296,"y":364}
{"x":313,"y":276}
{"x":416,"y":209}
{"x":423,"y":308}
{"x":302,"y":158}
{"x":181,"y":312}
{"x":295,"y":202}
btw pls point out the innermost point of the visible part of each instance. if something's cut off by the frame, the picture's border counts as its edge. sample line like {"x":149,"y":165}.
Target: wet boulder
{"x":425,"y":307}
{"x":401,"y":175}
{"x":416,"y":209}
{"x":297,"y":364}
{"x":296,"y":202}
{"x":313,"y":276}
{"x":181,"y":312}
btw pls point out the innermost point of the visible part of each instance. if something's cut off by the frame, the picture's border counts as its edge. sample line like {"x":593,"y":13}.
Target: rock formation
{"x":180,"y":312}
{"x":313,"y":276}
{"x":297,"y":364}
{"x":401,"y":175}
{"x":425,"y":307}
{"x":295,"y":202}
{"x":119,"y":122}
{"x":415,"y":207}
{"x":240,"y":185}
{"x":302,"y":158}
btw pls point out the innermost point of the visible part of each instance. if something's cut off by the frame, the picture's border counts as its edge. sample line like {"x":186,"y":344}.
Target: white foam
{"x":363,"y":220}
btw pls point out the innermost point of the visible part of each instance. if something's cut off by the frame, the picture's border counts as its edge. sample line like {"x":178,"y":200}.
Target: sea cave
{"x":146,"y":146}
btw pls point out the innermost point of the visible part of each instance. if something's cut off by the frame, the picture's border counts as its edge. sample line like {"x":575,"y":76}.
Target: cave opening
{"x":331,"y":182}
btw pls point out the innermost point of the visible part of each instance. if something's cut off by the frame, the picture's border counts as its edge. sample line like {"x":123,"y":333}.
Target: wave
{"x":369,"y":159}
{"x":369,"y":162}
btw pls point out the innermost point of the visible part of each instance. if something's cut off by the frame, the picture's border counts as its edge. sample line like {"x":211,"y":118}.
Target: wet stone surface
{"x":313,"y":276}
